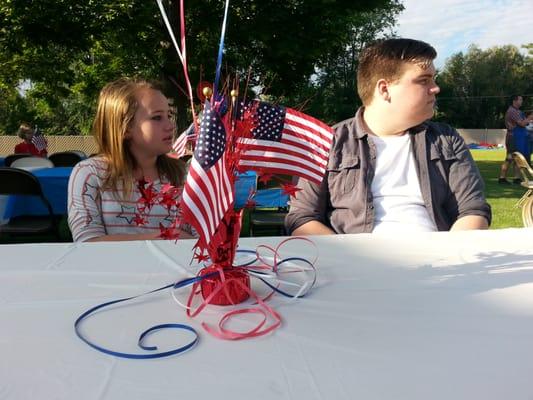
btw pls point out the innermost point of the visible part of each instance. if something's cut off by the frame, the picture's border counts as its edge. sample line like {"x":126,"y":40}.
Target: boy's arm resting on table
{"x":467,"y":200}
{"x":470,"y":222}
{"x":307,"y":214}
{"x":312,"y":228}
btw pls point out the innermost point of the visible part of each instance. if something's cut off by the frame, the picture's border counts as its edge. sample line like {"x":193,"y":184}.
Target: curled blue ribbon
{"x":180,"y":284}
{"x":143,"y":335}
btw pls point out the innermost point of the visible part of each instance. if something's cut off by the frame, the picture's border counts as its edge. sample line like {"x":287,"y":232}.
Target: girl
{"x":133,"y":128}
{"x":25,"y":132}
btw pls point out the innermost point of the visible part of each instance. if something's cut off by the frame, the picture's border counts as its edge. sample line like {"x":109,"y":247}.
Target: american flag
{"x":208,"y":191}
{"x":180,"y":144}
{"x":38,"y":140}
{"x":286,"y":141}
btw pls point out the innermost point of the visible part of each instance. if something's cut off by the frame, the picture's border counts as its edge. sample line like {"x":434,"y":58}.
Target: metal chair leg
{"x":523,"y":198}
{"x":527,"y":212}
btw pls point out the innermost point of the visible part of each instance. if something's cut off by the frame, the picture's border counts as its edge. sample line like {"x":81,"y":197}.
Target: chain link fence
{"x":56,"y":144}
{"x":87,"y":144}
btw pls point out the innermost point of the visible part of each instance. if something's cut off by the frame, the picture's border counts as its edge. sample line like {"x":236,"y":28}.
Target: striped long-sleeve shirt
{"x":95,"y":211}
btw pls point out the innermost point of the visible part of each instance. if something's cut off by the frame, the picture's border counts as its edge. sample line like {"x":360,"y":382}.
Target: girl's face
{"x":151,"y":131}
{"x":28,"y":135}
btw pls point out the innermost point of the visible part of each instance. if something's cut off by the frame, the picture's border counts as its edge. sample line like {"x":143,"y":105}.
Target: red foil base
{"x":236,"y":292}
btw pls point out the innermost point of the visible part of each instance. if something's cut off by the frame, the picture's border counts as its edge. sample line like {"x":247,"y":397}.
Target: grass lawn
{"x":502,"y":198}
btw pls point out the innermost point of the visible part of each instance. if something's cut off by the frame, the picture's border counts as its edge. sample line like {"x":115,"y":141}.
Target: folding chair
{"x":526,"y":201}
{"x":66,"y":158}
{"x":82,"y":154}
{"x":12,"y":157}
{"x":270,"y":220}
{"x":14,"y":181}
{"x":32,"y":163}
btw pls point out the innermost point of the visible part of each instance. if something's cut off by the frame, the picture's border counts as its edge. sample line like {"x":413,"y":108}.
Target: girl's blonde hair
{"x":115,"y":112}
{"x":24,"y":129}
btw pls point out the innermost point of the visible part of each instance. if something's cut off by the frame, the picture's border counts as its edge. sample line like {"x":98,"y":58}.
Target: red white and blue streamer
{"x":220,"y":50}
{"x":271,"y":273}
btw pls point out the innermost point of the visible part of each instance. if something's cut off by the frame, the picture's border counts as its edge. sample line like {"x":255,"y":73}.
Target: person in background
{"x":26,"y":133}
{"x":516,"y":139}
{"x":134,"y":130}
{"x":390,"y":169}
{"x":529,"y":128}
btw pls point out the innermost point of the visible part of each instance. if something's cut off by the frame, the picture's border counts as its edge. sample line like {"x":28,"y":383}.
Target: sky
{"x":452,"y":25}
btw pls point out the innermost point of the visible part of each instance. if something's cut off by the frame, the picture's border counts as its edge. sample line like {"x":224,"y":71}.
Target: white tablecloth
{"x":432,"y":316}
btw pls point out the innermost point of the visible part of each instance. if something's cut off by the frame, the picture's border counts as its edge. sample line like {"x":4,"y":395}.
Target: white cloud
{"x":452,"y":25}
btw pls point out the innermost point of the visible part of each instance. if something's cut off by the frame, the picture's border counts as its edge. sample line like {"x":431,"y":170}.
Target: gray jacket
{"x":449,"y":180}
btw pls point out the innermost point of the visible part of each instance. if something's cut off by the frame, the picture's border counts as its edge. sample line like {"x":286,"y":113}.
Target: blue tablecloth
{"x":2,"y":162}
{"x":247,"y":183}
{"x":273,"y":197}
{"x":54,"y":182}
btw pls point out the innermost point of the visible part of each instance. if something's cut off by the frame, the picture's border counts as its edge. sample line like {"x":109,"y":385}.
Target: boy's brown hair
{"x":385,"y":59}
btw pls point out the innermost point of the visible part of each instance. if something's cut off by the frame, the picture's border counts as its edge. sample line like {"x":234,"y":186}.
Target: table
{"x":271,"y":197}
{"x":428,"y":316}
{"x":54,"y":182}
{"x":2,"y":162}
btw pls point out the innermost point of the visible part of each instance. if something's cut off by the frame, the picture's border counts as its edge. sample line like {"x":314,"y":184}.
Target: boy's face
{"x":413,"y":94}
{"x":518,"y":102}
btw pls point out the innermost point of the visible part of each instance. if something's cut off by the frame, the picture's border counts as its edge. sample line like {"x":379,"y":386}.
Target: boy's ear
{"x":382,"y":90}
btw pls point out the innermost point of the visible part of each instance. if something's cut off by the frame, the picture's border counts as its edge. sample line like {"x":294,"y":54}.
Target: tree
{"x":68,"y":50}
{"x":476,"y":86}
{"x":331,"y":94}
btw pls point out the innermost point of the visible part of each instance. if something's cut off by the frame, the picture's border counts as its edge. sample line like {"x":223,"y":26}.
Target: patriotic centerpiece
{"x":233,"y":135}
{"x":236,"y":136}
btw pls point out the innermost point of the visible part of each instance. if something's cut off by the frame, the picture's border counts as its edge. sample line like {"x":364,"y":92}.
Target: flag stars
{"x":270,"y":122}
{"x":212,"y":139}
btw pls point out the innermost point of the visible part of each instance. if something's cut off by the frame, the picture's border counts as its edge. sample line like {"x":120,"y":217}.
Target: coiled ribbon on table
{"x":261,"y":272}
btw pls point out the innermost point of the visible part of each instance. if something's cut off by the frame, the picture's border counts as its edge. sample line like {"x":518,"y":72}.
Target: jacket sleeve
{"x":309,"y":204}
{"x":465,"y":181}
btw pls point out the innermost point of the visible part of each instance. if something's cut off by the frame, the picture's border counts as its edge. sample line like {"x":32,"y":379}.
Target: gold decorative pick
{"x":234,"y":93}
{"x":207,"y":91}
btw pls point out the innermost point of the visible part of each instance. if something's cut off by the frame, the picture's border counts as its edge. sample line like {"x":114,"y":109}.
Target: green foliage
{"x":13,"y":109}
{"x":476,"y":86}
{"x":69,"y":50}
{"x":331,"y":94}
{"x":502,"y":198}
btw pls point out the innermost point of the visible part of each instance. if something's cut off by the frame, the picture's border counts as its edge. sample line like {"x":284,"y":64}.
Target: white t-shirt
{"x":398,"y":202}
